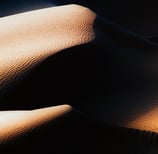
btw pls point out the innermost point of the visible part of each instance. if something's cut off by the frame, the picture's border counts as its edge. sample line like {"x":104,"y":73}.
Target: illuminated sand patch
{"x":148,"y":121}
{"x":16,"y":123}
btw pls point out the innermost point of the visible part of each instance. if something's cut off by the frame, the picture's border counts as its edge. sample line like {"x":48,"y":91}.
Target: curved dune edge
{"x":29,"y":38}
{"x":16,"y":123}
{"x":146,"y":122}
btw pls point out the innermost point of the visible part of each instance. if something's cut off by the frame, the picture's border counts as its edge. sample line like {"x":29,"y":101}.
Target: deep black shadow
{"x":67,"y":77}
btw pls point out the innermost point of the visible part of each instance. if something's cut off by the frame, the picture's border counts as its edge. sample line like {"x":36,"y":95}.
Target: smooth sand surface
{"x":16,"y":123}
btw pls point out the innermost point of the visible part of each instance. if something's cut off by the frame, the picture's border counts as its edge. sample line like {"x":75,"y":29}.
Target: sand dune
{"x":122,"y":64}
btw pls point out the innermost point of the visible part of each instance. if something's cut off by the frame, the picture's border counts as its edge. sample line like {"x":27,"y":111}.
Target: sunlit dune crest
{"x":16,"y":123}
{"x":29,"y":38}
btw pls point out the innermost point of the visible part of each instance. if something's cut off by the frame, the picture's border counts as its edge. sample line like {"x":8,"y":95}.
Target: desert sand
{"x":30,"y":38}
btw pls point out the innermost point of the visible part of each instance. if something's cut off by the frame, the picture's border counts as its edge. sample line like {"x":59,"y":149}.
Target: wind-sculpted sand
{"x":29,"y":38}
{"x":108,"y":73}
